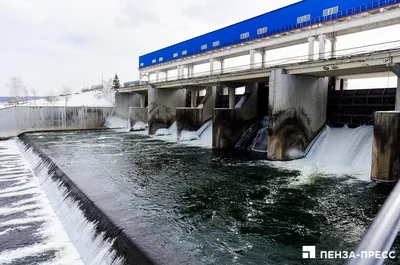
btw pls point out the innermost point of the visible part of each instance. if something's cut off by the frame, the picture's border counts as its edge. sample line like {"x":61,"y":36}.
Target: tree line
{"x":19,"y":93}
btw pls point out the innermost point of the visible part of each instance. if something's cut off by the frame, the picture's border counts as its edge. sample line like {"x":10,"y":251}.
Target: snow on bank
{"x":96,"y":98}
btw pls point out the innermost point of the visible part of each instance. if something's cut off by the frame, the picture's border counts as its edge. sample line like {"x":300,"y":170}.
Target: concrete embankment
{"x":19,"y":119}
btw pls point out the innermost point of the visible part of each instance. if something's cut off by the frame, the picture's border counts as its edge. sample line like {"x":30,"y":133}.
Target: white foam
{"x":38,"y":209}
{"x":92,"y":247}
{"x":116,"y":123}
{"x":338,"y":151}
{"x":139,"y":126}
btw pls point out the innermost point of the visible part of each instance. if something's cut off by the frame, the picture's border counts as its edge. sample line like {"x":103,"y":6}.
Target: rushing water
{"x":30,"y":231}
{"x":215,"y":207}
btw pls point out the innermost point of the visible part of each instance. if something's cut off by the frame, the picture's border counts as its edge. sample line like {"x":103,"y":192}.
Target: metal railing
{"x":382,"y":233}
{"x":355,"y":51}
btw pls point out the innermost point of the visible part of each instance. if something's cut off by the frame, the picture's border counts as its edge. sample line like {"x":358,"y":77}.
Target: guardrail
{"x":278,"y":62}
{"x":382,"y":233}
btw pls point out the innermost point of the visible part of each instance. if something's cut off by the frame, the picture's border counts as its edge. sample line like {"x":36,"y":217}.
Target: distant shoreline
{"x":5,"y":99}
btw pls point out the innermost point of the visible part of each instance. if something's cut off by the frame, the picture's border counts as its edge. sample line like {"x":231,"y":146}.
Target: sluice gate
{"x":357,"y":107}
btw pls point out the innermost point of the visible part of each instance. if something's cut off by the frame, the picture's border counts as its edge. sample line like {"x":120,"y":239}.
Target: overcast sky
{"x":55,"y":43}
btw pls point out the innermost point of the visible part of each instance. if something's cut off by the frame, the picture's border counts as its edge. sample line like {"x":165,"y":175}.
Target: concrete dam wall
{"x":16,"y":120}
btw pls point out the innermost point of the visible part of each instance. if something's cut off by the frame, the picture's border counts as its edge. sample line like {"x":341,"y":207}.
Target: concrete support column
{"x":322,"y":46}
{"x":142,"y":101}
{"x":179,"y":71}
{"x":193,"y":99}
{"x":183,"y":71}
{"x":211,"y":66}
{"x":123,"y":101}
{"x":297,"y":111}
{"x":190,"y":71}
{"x":311,"y":48}
{"x":252,"y":59}
{"x":333,"y":47}
{"x":398,"y":95}
{"x":386,"y":147}
{"x":263,"y":58}
{"x":222,"y":66}
{"x":232,"y":97}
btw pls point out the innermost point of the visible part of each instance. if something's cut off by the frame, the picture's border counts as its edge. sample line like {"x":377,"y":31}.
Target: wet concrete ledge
{"x":124,"y":246}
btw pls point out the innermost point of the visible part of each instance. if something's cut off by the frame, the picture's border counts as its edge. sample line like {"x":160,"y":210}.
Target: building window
{"x":303,"y":19}
{"x":142,"y":64}
{"x":262,"y":30}
{"x":244,"y":35}
{"x":331,"y":11}
{"x":216,"y":43}
{"x":184,"y":52}
{"x":175,"y":55}
{"x":204,"y":47}
{"x":160,"y":59}
{"x":154,"y":61}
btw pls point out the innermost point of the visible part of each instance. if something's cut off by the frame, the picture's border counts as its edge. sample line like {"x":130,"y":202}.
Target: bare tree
{"x":51,"y":98}
{"x":66,"y":91}
{"x":17,"y":89}
{"x":34,"y":94}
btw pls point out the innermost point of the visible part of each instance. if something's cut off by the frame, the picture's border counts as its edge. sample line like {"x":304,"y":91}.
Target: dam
{"x":143,"y":197}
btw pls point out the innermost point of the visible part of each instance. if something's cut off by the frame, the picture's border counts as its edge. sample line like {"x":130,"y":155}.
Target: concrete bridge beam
{"x":297,"y":111}
{"x":211,"y":66}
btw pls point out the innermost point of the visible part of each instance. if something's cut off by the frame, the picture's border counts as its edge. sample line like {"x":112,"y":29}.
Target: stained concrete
{"x":16,"y":120}
{"x":191,"y":119}
{"x":398,"y":95}
{"x":137,"y":114}
{"x":123,"y":101}
{"x":386,"y":147}
{"x":162,"y":107}
{"x":230,"y":124}
{"x":297,"y":111}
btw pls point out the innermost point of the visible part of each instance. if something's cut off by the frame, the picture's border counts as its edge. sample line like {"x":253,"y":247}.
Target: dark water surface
{"x":217,"y":207}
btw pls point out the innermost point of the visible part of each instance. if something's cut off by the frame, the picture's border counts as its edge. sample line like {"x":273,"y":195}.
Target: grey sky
{"x":50,"y":44}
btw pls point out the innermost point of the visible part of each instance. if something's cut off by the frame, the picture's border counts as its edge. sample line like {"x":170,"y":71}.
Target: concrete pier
{"x":386,"y":147}
{"x":191,"y":119}
{"x":230,"y":124}
{"x":123,"y":101}
{"x":162,"y":107}
{"x":297,"y":111}
{"x":398,"y":95}
{"x":138,"y":118}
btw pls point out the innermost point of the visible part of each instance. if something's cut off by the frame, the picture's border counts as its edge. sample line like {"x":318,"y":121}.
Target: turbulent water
{"x":219,"y":207}
{"x":30,"y":231}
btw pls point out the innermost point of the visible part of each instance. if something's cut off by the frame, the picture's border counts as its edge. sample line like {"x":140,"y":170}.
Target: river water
{"x":216,"y":207}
